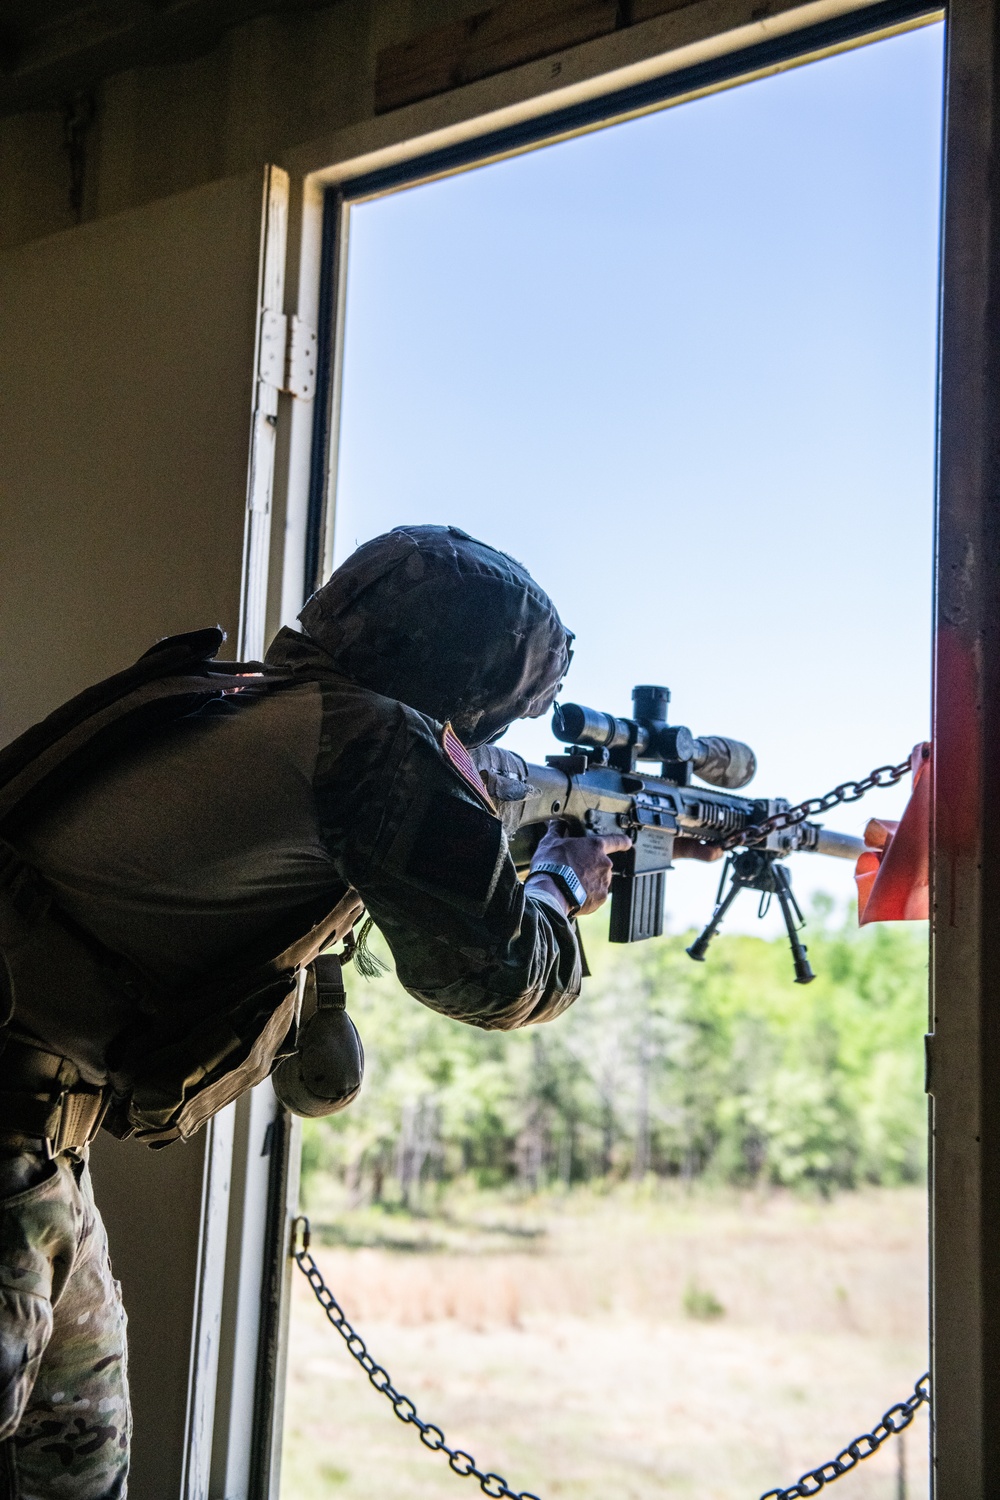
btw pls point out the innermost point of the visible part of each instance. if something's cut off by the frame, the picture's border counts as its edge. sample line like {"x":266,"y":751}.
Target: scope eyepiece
{"x":715,"y":759}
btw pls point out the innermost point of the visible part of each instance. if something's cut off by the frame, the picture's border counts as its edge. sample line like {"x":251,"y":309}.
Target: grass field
{"x":642,"y":1343}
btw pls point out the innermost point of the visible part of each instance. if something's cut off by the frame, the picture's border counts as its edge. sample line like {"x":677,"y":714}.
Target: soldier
{"x":164,"y":885}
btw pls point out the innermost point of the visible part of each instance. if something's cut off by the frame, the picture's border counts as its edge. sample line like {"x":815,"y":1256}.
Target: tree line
{"x":725,"y":1070}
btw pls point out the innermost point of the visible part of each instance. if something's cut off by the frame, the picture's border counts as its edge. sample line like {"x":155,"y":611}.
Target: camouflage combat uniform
{"x":62,"y":1337}
{"x":227,"y":835}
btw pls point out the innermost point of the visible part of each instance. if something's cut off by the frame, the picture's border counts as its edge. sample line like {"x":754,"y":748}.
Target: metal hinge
{"x":288,"y":354}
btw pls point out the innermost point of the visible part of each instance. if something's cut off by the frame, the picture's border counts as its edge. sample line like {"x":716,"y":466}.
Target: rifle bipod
{"x":758,"y":870}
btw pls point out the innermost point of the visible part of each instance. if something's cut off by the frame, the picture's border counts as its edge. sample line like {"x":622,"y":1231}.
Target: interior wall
{"x":34,"y":173}
{"x":268,"y":85}
{"x":158,"y":1272}
{"x":124,"y":421}
{"x":124,"y":426}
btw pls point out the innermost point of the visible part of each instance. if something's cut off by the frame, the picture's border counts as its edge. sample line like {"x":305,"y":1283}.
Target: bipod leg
{"x":699,"y":947}
{"x":789,"y":909}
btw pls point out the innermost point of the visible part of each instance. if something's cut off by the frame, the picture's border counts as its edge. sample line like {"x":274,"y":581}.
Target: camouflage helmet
{"x":445,"y":624}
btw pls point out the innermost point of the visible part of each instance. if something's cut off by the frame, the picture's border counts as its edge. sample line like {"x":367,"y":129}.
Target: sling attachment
{"x":44,"y":1098}
{"x":328,"y":976}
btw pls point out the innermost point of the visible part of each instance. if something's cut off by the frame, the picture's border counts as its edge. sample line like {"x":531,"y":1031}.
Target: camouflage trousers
{"x":64,"y":1410}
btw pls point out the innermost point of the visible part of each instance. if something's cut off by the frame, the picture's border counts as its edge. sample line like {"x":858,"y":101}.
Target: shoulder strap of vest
{"x":176,"y":677}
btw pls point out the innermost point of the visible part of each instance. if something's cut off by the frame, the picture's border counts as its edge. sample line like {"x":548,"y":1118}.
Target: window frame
{"x":523,"y":110}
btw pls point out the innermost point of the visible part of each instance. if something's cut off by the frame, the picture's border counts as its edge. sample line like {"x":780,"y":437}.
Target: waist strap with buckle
{"x":42,"y":1096}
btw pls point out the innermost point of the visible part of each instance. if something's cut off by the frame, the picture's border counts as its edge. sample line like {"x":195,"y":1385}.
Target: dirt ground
{"x":639,"y":1344}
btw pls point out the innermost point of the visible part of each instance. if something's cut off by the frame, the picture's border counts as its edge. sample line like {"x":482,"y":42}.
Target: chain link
{"x":847,"y":791}
{"x":893,"y":1421}
{"x":432,"y":1437}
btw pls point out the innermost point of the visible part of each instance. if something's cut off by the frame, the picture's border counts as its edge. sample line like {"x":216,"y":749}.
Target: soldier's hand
{"x":587,"y":856}
{"x":695,"y":849}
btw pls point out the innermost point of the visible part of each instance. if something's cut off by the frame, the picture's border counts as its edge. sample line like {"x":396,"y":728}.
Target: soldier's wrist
{"x":541,"y":888}
{"x":563,"y":881}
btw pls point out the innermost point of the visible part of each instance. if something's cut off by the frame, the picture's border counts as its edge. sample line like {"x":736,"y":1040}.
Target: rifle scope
{"x":648,"y":736}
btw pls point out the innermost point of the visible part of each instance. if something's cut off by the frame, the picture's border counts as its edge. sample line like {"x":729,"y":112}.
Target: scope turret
{"x":648,"y":736}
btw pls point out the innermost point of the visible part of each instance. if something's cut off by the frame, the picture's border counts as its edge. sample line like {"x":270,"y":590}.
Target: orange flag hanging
{"x":893,"y":874}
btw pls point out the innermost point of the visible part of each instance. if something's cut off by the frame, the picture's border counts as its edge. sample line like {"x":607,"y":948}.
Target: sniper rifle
{"x":595,"y":786}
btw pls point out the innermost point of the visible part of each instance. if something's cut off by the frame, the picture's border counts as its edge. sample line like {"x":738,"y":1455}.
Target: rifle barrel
{"x":840,"y":845}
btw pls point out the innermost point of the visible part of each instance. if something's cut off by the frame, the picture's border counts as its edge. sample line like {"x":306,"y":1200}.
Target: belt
{"x":43,"y":1097}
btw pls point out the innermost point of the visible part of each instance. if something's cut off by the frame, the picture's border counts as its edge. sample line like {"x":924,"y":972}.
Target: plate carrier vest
{"x":183,"y":1058}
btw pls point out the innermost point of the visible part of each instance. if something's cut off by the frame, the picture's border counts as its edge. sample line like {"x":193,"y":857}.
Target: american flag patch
{"x":464,"y":765}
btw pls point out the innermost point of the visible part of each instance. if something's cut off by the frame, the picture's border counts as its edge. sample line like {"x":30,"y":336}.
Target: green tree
{"x":726,"y":1069}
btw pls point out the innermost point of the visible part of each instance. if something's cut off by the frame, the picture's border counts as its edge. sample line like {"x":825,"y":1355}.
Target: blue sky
{"x":683,"y":369}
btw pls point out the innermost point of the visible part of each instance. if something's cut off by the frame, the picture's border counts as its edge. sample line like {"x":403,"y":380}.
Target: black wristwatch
{"x":566,"y":879}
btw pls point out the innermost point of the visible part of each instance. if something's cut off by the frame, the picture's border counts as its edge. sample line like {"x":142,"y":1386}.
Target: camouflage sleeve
{"x":431,"y":864}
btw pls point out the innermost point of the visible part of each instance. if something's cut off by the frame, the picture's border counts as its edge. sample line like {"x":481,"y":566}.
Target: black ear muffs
{"x":325,"y":1072}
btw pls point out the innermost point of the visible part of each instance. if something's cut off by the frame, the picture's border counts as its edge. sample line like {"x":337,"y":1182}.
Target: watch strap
{"x":566,"y":879}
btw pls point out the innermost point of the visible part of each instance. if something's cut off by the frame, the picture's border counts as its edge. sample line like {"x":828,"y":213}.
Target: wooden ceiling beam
{"x":53,"y":49}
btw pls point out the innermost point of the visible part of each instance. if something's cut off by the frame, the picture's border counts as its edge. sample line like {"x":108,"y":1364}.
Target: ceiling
{"x":53,"y":49}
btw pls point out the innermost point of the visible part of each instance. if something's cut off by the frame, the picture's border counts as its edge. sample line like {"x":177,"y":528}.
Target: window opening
{"x":684,"y":369}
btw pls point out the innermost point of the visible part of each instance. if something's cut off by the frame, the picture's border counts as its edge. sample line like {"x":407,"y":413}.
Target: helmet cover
{"x":446,"y":624}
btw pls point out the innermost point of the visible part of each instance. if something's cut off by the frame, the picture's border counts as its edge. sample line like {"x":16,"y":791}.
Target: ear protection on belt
{"x":325,"y":1072}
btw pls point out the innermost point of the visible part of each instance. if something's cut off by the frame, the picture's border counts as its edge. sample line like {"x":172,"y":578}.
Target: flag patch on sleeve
{"x":464,"y":765}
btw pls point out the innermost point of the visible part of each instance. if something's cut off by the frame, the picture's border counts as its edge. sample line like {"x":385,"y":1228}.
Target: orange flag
{"x":892,"y":875}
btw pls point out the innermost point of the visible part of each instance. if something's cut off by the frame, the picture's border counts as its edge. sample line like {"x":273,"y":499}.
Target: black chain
{"x":847,"y":791}
{"x":432,"y":1437}
{"x":463,"y":1464}
{"x":894,"y":1421}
